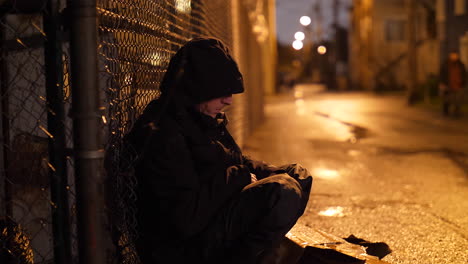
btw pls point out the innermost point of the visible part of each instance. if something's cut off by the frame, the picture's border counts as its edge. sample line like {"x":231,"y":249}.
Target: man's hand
{"x":238,"y":175}
{"x":253,"y":178}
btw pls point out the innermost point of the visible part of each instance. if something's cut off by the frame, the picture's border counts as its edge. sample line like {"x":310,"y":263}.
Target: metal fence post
{"x":5,"y":125}
{"x":88,"y":150}
{"x":56,"y":127}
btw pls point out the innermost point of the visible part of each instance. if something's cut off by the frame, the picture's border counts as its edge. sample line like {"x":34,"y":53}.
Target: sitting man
{"x":199,"y":199}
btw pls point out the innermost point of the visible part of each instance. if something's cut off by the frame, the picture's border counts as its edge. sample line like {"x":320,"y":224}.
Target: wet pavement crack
{"x":358,"y":132}
{"x":456,"y":228}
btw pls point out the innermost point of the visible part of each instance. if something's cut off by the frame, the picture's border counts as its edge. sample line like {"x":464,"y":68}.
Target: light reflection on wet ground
{"x":336,"y":211}
{"x":326,"y":174}
{"x":382,"y":171}
{"x":343,"y":130}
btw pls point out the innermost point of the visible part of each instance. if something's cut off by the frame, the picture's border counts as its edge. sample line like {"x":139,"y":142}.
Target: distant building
{"x":452,"y":18}
{"x":379,"y":43}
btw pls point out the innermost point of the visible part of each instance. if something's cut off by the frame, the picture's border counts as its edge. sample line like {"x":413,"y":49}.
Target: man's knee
{"x":285,"y":185}
{"x":284,"y":197}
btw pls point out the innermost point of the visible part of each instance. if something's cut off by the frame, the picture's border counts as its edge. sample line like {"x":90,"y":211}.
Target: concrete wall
{"x":254,"y":48}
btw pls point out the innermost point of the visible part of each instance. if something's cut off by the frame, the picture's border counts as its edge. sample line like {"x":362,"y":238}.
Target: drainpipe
{"x":86,"y":131}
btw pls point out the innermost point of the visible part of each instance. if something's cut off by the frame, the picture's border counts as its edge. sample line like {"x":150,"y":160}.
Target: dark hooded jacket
{"x":188,"y":165}
{"x":445,"y":73}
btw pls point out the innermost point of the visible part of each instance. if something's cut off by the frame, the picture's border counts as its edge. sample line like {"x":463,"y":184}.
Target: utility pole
{"x":412,"y":53}
{"x":336,"y":5}
{"x":334,"y":58}
{"x":318,"y":21}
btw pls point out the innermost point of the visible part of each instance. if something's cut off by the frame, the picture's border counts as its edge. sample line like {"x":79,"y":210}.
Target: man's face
{"x":214,"y":106}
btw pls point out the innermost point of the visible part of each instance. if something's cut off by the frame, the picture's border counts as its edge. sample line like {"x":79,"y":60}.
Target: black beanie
{"x":200,"y":71}
{"x":209,"y":71}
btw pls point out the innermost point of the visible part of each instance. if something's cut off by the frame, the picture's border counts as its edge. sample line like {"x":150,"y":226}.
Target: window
{"x":395,"y":30}
{"x":460,"y":7}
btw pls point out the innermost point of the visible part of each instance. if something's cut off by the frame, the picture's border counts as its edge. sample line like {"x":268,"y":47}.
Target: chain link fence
{"x":38,"y":222}
{"x":36,"y":190}
{"x":138,"y":38}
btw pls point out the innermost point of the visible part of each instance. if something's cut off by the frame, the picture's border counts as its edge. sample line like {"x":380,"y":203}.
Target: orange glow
{"x":326,"y":174}
{"x":336,"y":211}
{"x":322,"y":50}
{"x":298,"y":93}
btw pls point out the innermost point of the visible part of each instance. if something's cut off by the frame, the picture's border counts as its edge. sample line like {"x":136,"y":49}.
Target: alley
{"x":382,"y":171}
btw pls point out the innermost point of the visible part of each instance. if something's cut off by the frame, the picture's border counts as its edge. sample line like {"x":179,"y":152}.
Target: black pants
{"x":255,"y":220}
{"x":452,"y":99}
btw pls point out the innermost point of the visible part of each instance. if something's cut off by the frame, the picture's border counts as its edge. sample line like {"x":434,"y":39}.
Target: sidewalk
{"x":382,"y":171}
{"x":435,"y":106}
{"x":304,"y":244}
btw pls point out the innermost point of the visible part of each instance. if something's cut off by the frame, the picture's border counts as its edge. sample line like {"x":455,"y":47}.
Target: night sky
{"x":288,"y":13}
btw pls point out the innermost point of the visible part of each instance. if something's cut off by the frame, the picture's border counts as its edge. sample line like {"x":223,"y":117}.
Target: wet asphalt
{"x":383,"y":171}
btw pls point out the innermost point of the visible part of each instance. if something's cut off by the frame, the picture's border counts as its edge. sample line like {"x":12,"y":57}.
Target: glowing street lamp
{"x":297,"y":44}
{"x":321,"y":50}
{"x":305,"y":20}
{"x":299,"y":36}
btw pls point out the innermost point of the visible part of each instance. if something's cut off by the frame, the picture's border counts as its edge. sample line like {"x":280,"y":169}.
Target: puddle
{"x":326,"y":174}
{"x":357,"y":132}
{"x":335,"y":211}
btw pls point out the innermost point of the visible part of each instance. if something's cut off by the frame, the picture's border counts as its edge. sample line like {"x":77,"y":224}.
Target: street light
{"x":297,"y":44}
{"x":322,"y":50}
{"x":299,"y":36}
{"x":305,"y":20}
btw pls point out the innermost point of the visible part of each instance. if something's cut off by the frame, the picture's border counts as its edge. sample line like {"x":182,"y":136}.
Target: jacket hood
{"x":202,"y":70}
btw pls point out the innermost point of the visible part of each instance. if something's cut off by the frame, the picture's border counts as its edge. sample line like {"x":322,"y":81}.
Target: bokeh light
{"x":299,"y":35}
{"x":305,"y":20}
{"x":322,"y":50}
{"x":297,"y":44}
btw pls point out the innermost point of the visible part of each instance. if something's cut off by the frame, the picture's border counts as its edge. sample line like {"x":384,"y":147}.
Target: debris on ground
{"x":305,"y":245}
